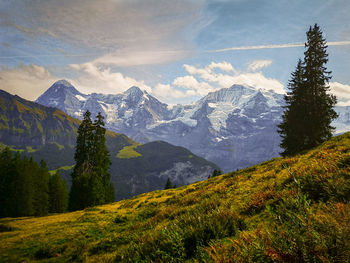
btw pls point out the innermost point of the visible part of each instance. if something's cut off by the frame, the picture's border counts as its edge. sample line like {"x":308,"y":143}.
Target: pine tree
{"x":168,"y":184}
{"x":79,"y":193}
{"x":294,"y":122}
{"x":41,"y":190}
{"x":58,"y":194}
{"x":6,"y":168}
{"x":90,"y":179}
{"x":26,"y":179}
{"x":102,"y":191}
{"x":306,"y":121}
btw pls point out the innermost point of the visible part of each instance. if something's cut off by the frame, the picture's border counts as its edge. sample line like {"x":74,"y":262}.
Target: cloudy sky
{"x":176,"y":50}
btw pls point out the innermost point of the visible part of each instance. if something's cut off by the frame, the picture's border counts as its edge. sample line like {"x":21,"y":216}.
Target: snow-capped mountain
{"x":234,"y":127}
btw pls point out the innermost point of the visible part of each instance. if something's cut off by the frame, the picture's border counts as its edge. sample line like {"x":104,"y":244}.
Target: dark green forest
{"x":28,"y":189}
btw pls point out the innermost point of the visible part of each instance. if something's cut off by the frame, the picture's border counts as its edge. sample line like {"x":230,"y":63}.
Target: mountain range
{"x":48,"y":133}
{"x":233,"y":127}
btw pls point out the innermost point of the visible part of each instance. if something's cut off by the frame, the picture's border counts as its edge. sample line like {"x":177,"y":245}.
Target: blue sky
{"x":176,"y":50}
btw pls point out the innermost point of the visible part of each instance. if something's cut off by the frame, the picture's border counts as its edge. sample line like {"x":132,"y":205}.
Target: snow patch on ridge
{"x":81,"y":98}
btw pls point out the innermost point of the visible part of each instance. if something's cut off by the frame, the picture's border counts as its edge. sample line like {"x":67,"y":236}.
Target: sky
{"x":177,"y":51}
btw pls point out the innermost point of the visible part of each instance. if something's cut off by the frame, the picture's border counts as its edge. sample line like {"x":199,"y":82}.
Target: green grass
{"x":60,"y":146}
{"x":30,"y":149}
{"x":65,"y":168}
{"x":285,"y":210}
{"x":129,"y":152}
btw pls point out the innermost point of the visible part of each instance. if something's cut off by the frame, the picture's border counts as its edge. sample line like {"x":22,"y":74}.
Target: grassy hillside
{"x":44,"y":132}
{"x":284,"y":210}
{"x":24,"y":123}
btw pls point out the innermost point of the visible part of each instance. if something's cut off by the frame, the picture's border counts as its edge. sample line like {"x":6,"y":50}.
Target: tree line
{"x":27,"y":188}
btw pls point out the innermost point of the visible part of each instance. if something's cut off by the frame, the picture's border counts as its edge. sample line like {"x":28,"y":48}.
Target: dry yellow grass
{"x":244,"y":216}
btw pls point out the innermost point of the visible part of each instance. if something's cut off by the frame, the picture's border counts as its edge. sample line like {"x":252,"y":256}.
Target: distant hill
{"x":48,"y":133}
{"x":293,"y":209}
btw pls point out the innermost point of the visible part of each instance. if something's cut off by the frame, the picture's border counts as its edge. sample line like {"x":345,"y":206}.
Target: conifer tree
{"x":306,"y":121}
{"x":19,"y":200}
{"x":26,"y":173}
{"x":79,"y":193}
{"x":102,"y":190}
{"x":6,"y":168}
{"x":90,"y":179}
{"x":168,"y":184}
{"x":41,"y":190}
{"x":58,"y":194}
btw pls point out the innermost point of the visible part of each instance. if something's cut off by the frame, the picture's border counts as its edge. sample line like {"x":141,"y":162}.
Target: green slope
{"x":285,"y":210}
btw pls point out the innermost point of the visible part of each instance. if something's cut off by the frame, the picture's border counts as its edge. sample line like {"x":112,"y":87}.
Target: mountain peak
{"x":134,"y":94}
{"x":62,"y":86}
{"x":63,"y":82}
{"x":134,"y":90}
{"x":57,"y":93}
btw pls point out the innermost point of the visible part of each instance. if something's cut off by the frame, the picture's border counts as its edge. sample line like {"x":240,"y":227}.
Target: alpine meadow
{"x":175,"y":131}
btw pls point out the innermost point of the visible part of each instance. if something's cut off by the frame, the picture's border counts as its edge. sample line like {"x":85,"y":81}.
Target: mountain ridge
{"x":215,"y":127}
{"x":234,"y":127}
{"x":48,"y":133}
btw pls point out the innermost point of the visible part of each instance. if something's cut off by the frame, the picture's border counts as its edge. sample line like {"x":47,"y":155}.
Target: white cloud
{"x":26,"y":81}
{"x":137,"y":58}
{"x":101,"y":80}
{"x":257,"y":80}
{"x":169,"y":94}
{"x":191,"y":83}
{"x":224,"y":66}
{"x":342,"y":92}
{"x":202,"y":80}
{"x":259,"y":64}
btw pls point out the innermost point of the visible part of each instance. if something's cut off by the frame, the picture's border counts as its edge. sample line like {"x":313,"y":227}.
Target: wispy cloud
{"x":50,"y":55}
{"x":259,"y":64}
{"x":122,"y":33}
{"x":288,"y":45}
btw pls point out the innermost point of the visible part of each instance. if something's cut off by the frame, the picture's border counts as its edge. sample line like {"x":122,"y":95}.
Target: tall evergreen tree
{"x":168,"y":184}
{"x":306,"y":121}
{"x":102,"y":190}
{"x":58,"y":194}
{"x":79,"y":192}
{"x":90,"y":179}
{"x":6,"y":185}
{"x":41,"y":190}
{"x":26,"y":174}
